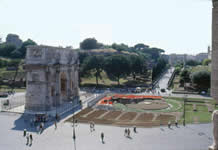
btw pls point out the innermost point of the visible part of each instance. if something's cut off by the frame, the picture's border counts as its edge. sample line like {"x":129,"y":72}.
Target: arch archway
{"x":63,"y":84}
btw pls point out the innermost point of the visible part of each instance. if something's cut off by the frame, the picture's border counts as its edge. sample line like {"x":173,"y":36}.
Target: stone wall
{"x":214,"y":76}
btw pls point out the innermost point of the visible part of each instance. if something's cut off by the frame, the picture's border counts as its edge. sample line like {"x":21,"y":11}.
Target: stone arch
{"x":52,"y":91}
{"x":63,"y":84}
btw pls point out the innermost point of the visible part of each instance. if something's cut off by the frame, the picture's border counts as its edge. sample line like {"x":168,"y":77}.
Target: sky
{"x":177,"y":26}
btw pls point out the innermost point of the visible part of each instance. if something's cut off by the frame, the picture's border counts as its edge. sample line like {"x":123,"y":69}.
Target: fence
{"x":12,"y":103}
{"x":95,"y":100}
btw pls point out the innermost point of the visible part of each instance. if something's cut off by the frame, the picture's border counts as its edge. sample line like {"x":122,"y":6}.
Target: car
{"x":203,"y":92}
{"x":163,"y":90}
{"x":3,"y":95}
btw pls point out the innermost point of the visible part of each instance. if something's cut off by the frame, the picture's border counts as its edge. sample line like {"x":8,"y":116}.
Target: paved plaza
{"x":191,"y":137}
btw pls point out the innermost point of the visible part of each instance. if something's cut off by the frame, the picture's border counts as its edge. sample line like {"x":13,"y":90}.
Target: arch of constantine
{"x":52,"y":77}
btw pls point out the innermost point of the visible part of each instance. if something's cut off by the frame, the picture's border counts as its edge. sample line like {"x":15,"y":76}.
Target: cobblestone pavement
{"x":191,"y":137}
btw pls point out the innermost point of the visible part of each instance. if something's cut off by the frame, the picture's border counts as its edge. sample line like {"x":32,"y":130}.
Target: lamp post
{"x":185,"y":98}
{"x":74,"y":131}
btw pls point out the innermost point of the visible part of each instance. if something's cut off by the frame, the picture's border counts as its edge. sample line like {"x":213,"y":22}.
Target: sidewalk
{"x":191,"y":137}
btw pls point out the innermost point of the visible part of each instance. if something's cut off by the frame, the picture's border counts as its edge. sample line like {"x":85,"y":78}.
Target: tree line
{"x":128,"y":60}
{"x":121,"y":64}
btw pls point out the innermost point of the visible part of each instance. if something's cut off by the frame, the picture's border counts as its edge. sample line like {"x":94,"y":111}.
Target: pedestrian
{"x":24,"y":132}
{"x":169,"y":124}
{"x":43,"y":126}
{"x":90,"y":126}
{"x":55,"y":123}
{"x":134,"y":129}
{"x":128,"y":132}
{"x":93,"y":126}
{"x":27,"y":138}
{"x":102,"y":137}
{"x":31,"y":138}
{"x":125,"y":132}
{"x":38,"y":129}
{"x":176,"y":123}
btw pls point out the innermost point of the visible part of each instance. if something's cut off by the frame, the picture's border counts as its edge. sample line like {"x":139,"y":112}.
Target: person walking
{"x":176,"y":123}
{"x":55,"y":123}
{"x":125,"y":132}
{"x":169,"y":124}
{"x":134,"y":129}
{"x":93,"y":126}
{"x":27,"y":139}
{"x":128,"y":132}
{"x":31,"y":138}
{"x":90,"y":126}
{"x":24,"y":132}
{"x":40,"y":128}
{"x":102,"y":137}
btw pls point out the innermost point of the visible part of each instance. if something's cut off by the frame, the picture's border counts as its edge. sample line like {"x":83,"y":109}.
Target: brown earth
{"x":127,"y":119}
{"x":112,"y":115}
{"x":128,"y":116}
{"x":145,"y":117}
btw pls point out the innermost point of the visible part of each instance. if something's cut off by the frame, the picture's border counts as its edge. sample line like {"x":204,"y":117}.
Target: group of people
{"x":127,"y":131}
{"x":40,"y":128}
{"x":29,"y":137}
{"x":92,"y":126}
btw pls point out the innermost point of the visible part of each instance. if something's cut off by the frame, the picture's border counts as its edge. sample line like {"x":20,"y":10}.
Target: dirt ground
{"x":119,"y":118}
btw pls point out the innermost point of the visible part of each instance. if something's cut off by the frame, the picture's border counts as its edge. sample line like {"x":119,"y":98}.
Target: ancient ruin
{"x":214,"y":76}
{"x":52,"y":77}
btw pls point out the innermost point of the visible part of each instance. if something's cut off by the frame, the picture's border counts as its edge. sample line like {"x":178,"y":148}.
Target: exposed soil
{"x":128,"y":116}
{"x":145,"y":117}
{"x":127,"y":119}
{"x":112,"y":115}
{"x":96,"y":114}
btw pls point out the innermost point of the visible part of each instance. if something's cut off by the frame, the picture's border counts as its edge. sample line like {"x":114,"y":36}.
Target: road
{"x":163,"y":84}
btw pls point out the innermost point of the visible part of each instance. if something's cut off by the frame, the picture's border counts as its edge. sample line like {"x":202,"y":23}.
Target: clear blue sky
{"x":178,"y":26}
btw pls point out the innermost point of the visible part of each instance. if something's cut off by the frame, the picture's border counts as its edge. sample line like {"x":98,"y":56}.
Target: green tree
{"x":117,"y":66}
{"x":120,"y":47}
{"x":140,"y":46}
{"x":206,"y":62}
{"x":185,"y":75}
{"x":159,"y":68}
{"x":137,"y":65}
{"x":89,"y":43}
{"x":201,"y":79}
{"x":94,"y":64}
{"x":26,"y":43}
{"x":16,"y":54}
{"x":192,"y":63}
{"x":6,"y":49}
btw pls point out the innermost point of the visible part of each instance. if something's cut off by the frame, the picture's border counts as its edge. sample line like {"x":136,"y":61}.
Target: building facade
{"x":52,"y":77}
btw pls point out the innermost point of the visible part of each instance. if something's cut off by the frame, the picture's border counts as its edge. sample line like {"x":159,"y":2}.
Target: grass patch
{"x":202,"y":117}
{"x":105,"y":81}
{"x":5,"y":88}
{"x":202,"y":108}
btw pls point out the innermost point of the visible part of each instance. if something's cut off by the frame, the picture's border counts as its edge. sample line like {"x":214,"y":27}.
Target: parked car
{"x":163,"y":90}
{"x":3,"y":94}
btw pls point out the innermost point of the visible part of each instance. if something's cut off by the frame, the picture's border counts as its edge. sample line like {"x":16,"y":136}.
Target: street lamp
{"x":185,"y":98}
{"x":74,"y":132}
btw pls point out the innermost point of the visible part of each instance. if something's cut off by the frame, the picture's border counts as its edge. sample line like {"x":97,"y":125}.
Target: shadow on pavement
{"x":24,"y":121}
